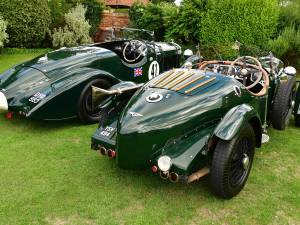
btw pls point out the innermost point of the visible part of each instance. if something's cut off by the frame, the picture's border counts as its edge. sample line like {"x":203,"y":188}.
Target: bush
{"x":252,"y":22}
{"x":289,"y":15}
{"x":76,"y":30}
{"x":28,"y":21}
{"x":186,"y":27}
{"x":93,"y":14}
{"x":287,"y":45}
{"x":3,"y":34}
{"x":136,"y":12}
{"x":58,"y":8}
{"x":153,"y":17}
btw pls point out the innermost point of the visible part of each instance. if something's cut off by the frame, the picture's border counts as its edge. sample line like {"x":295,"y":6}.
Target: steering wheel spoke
{"x":246,"y":71}
{"x":134,"y":50}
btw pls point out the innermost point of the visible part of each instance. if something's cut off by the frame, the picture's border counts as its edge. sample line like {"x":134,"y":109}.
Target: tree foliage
{"x":187,"y":25}
{"x":28,"y":21}
{"x":93,"y":14}
{"x":3,"y":34}
{"x":76,"y":30}
{"x":215,"y":24}
{"x":154,"y":17}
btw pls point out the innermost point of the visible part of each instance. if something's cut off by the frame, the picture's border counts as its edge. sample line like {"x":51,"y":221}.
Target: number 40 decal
{"x":153,"y":70}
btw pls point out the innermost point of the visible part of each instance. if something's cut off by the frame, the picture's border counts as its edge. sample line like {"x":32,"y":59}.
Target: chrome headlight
{"x":291,"y":71}
{"x":3,"y":102}
{"x":164,"y":163}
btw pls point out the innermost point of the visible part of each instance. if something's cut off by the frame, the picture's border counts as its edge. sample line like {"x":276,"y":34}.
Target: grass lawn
{"x":49,"y":175}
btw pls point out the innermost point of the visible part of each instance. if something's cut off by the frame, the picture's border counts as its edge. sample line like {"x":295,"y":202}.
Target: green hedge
{"x":213,"y":24}
{"x":252,"y":22}
{"x":28,"y":21}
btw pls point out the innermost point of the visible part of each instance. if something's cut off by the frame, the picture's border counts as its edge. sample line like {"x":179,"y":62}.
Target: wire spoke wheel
{"x":232,"y":162}
{"x":240,"y":163}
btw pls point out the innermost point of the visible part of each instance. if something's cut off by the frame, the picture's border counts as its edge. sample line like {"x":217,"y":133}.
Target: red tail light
{"x":154,"y":169}
{"x":9,"y":115}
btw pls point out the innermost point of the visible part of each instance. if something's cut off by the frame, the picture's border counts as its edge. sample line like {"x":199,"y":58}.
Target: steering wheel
{"x":133,"y":50}
{"x":246,"y":70}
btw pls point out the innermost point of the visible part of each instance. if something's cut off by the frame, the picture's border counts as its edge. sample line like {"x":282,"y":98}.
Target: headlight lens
{"x":164,"y":163}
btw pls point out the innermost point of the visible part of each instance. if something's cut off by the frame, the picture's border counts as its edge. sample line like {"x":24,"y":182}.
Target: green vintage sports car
{"x":187,"y":123}
{"x":56,"y":86}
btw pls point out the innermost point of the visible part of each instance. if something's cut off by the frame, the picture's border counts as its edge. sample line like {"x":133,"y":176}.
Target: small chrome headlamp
{"x":164,"y":163}
{"x":291,"y":71}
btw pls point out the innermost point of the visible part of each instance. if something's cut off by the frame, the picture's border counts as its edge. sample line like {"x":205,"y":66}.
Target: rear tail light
{"x":154,"y":169}
{"x":9,"y":115}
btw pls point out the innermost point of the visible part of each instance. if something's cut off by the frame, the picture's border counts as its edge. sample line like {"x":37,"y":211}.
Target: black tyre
{"x":231,"y":163}
{"x":86,"y":113}
{"x":283,"y":104}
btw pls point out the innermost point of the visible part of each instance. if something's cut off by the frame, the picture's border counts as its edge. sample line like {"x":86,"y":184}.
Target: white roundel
{"x":153,"y":70}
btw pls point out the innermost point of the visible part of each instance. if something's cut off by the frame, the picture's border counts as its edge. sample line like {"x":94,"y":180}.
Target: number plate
{"x":108,"y":132}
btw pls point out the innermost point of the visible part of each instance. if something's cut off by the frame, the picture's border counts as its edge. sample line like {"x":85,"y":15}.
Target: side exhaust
{"x":197,"y":175}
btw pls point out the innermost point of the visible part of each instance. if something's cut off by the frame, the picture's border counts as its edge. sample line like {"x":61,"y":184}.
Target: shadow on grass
{"x":40,"y":125}
{"x":146,"y":180}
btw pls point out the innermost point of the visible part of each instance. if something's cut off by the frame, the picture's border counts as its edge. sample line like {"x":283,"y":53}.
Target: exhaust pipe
{"x":164,"y":175}
{"x":174,"y":177}
{"x":3,"y":102}
{"x":103,"y":151}
{"x":111,"y":153}
{"x":197,"y":175}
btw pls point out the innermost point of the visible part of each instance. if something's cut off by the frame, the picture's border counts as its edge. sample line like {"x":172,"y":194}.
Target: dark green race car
{"x":57,"y":85}
{"x":187,"y":123}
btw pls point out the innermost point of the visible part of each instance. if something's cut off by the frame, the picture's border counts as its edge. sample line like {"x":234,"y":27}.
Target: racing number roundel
{"x":153,"y":70}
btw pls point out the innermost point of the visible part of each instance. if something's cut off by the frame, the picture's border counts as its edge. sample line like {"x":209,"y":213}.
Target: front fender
{"x":234,"y":120}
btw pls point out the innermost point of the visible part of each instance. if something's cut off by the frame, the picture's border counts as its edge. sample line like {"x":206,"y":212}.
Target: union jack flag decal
{"x":138,"y":72}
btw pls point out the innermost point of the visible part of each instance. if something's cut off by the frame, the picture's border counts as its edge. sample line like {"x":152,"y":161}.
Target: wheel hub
{"x":246,"y":161}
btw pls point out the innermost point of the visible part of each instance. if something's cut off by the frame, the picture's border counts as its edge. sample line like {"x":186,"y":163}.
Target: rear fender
{"x":188,"y":153}
{"x":114,"y":104}
{"x":67,"y":91}
{"x":234,"y":120}
{"x":91,"y":74}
